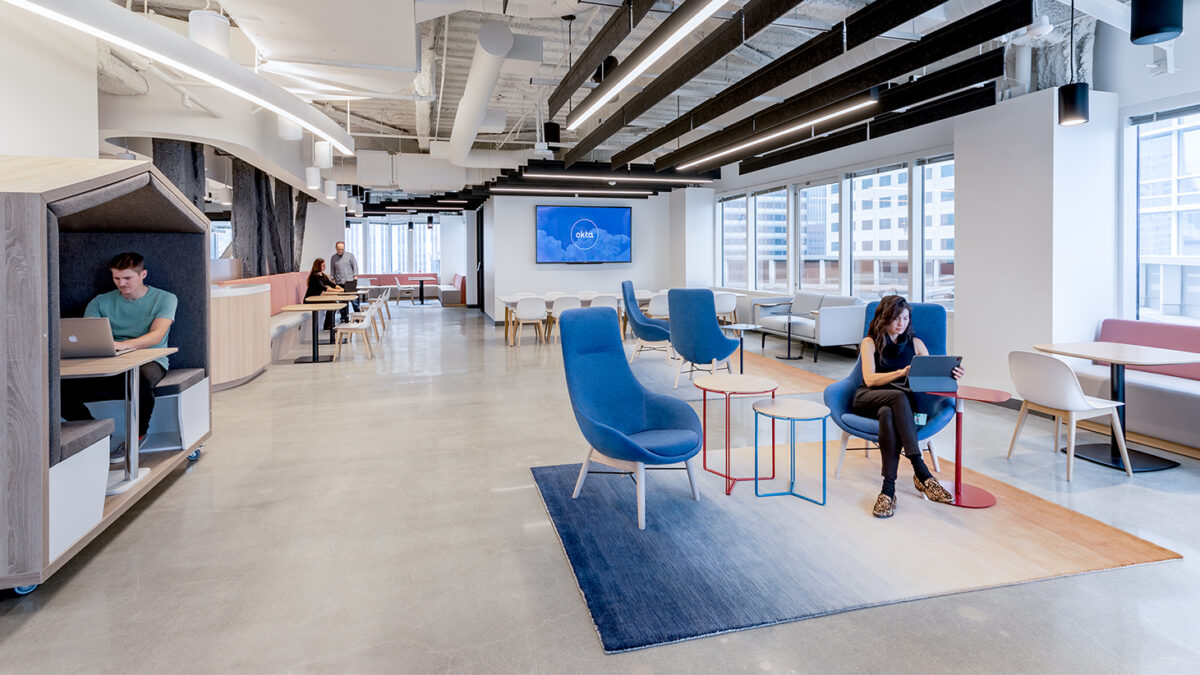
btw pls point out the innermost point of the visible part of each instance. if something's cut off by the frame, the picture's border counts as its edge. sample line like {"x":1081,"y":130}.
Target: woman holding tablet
{"x":887,"y":352}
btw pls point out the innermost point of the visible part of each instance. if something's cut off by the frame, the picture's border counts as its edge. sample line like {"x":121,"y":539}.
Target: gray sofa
{"x":817,"y":319}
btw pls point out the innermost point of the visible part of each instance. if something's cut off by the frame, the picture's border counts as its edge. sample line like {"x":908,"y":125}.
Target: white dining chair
{"x":553,"y":295}
{"x":606,"y":301}
{"x":657,"y":309}
{"x":726,"y":307}
{"x":530,"y":311}
{"x":561,"y":304}
{"x":1048,"y":385}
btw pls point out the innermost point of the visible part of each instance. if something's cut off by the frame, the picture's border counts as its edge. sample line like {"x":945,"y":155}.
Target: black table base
{"x":1103,"y":454}
{"x":789,"y":357}
{"x":309,"y":359}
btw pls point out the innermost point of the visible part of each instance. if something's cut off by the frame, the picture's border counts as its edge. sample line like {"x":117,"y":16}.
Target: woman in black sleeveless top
{"x":887,"y":353}
{"x":318,"y":283}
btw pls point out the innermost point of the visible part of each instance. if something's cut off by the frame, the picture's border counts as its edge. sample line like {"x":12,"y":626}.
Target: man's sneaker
{"x":118,"y":455}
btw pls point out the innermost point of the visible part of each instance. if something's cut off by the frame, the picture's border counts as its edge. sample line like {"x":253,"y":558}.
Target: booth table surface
{"x":106,"y":366}
{"x":313,"y":307}
{"x":1118,"y":352}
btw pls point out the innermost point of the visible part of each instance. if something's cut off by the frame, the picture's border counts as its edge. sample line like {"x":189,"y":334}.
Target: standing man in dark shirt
{"x":344,"y":268}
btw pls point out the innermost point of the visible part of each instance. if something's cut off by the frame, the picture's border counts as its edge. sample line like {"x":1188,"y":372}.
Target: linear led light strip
{"x":177,"y":65}
{"x":782,"y":132}
{"x":568,"y":191}
{"x":616,"y":179}
{"x":672,"y":40}
{"x":424,"y":208}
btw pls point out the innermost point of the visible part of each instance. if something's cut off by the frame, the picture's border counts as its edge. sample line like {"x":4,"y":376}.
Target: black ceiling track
{"x":1003,"y":17}
{"x":607,"y":39}
{"x":862,"y":26}
{"x":749,"y":20}
{"x":944,"y":108}
{"x":973,"y":71}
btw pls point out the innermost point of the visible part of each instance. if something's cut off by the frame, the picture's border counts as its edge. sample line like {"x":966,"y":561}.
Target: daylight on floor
{"x":600,"y":336}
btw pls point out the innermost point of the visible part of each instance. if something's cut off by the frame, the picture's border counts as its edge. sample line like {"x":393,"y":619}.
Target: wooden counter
{"x":239,"y":333}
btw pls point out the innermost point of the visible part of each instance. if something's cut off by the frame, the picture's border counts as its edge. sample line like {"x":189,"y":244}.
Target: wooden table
{"x":315,"y":307}
{"x":1119,"y":355}
{"x":733,"y":385}
{"x":969,"y":496}
{"x":108,"y":366}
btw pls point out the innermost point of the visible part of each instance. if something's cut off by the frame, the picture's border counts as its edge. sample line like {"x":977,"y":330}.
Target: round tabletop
{"x":726,"y":383}
{"x":741,"y":326}
{"x":969,"y":393}
{"x":790,"y":409}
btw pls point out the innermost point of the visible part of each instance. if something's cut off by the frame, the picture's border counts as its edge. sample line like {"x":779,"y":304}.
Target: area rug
{"x":728,"y":563}
{"x":657,"y":374}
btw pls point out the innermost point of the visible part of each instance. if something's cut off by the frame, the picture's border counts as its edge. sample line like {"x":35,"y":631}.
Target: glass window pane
{"x":818,"y":210}
{"x":876,"y":270}
{"x":1168,"y":221}
{"x":770,"y":241}
{"x":733,"y":243}
{"x":939,"y":233}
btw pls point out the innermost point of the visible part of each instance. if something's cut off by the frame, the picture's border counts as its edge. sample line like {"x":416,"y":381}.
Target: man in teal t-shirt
{"x":140,"y":317}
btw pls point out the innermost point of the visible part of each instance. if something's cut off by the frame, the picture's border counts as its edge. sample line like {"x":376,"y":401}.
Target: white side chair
{"x":553,"y":295}
{"x":726,"y":307}
{"x":1048,"y":385}
{"x":561,"y":304}
{"x":657,"y":309}
{"x":530,"y":311}
{"x":607,"y":301}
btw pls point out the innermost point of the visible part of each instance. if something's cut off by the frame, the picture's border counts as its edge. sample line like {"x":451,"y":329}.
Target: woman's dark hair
{"x":317,"y":264}
{"x":890,"y":307}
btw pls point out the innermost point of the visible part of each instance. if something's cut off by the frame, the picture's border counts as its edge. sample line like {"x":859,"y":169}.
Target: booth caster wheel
{"x":194,"y":456}
{"x":25,"y":590}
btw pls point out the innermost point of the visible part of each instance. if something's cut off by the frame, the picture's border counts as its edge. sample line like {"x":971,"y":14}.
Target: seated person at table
{"x":886,"y":353}
{"x":318,"y":283}
{"x":140,"y":317}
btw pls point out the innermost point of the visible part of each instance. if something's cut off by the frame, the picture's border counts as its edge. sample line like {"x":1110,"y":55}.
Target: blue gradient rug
{"x":728,"y":563}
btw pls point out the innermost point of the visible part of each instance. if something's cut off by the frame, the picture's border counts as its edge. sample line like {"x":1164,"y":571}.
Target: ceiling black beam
{"x":973,"y":71}
{"x":749,"y":20}
{"x":944,"y":108}
{"x":610,"y":36}
{"x":860,"y":27}
{"x":986,"y":24}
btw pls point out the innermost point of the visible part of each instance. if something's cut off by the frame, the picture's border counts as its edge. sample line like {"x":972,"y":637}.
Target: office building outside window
{"x":395,"y":244}
{"x":875,"y":271}
{"x":938,"y":183}
{"x":770,"y":240}
{"x":734,"y":261}
{"x":818,"y":209}
{"x":1168,"y":220}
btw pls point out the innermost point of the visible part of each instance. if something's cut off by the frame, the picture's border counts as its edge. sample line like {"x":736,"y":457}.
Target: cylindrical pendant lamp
{"x":343,"y":198}
{"x":313,"y":175}
{"x":330,"y":188}
{"x":1154,"y":21}
{"x":1073,"y":104}
{"x":323,"y":154}
{"x":289,"y":130}
{"x":209,"y":29}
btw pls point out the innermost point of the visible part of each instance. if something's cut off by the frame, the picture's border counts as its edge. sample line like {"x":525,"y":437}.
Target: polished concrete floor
{"x":379,"y":516}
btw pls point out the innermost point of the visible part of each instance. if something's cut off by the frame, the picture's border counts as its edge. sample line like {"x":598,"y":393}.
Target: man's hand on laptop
{"x":127,"y":345}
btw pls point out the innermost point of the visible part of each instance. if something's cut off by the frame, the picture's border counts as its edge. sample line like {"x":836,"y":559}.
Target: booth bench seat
{"x":1160,"y":401}
{"x":78,"y":478}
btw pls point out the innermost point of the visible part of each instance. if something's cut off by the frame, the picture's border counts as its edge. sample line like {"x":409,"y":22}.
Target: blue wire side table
{"x":792,"y":410}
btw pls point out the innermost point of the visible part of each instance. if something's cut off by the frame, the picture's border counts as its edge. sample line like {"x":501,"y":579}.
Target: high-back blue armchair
{"x":929,"y":324}
{"x":695,"y":333}
{"x":626,"y":426}
{"x":654,"y":334}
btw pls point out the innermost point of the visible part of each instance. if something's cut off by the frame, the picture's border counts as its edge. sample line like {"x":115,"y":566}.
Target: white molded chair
{"x":530,"y":311}
{"x":553,"y":295}
{"x":606,"y":301}
{"x":658,"y":307}
{"x":1048,"y":385}
{"x":561,"y":304}
{"x":726,"y":307}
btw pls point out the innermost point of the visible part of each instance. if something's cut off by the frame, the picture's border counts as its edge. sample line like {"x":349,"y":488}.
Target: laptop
{"x":933,"y":373}
{"x":350,"y":286}
{"x":86,"y":338}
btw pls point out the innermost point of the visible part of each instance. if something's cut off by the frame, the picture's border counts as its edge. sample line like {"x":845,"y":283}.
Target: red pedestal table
{"x":969,"y":496}
{"x":733,"y":385}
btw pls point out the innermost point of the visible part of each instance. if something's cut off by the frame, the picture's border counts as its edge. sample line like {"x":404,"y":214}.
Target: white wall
{"x":324,"y":227}
{"x":48,"y":76}
{"x":510,"y":240}
{"x":692,"y":236}
{"x":1035,"y":229}
{"x":472,"y":256}
{"x":1121,"y":68}
{"x":454,"y":246}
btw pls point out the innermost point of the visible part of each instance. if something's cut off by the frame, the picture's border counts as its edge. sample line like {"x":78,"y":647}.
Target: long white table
{"x":585,"y":299}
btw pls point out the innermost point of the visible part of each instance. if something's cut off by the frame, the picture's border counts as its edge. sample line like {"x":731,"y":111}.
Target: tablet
{"x":933,"y":373}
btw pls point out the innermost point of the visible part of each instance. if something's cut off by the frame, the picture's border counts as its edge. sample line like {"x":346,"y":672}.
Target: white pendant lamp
{"x":343,"y":198}
{"x":323,"y":154}
{"x":209,"y":29}
{"x":288,"y":130}
{"x":313,"y":175}
{"x":330,"y":189}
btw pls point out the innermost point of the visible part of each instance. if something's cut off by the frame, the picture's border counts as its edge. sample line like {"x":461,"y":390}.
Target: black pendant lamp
{"x":1073,"y":97}
{"x":1155,"y":21}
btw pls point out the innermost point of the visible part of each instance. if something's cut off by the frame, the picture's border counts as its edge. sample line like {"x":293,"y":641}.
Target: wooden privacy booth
{"x":61,"y":221}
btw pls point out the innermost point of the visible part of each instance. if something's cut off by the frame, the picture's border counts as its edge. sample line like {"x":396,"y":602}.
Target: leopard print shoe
{"x":885,"y":506}
{"x":933,"y":490}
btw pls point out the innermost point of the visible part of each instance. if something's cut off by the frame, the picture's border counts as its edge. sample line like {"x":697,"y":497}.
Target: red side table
{"x":728,"y":386}
{"x":969,"y":496}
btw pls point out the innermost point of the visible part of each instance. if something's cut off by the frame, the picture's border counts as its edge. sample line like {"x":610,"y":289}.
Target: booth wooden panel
{"x":240,"y":329}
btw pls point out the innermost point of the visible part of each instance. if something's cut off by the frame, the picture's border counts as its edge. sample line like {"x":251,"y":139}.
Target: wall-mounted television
{"x":584,"y":234}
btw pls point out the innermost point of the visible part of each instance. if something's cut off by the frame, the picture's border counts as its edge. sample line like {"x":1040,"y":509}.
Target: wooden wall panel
{"x":239,"y":336}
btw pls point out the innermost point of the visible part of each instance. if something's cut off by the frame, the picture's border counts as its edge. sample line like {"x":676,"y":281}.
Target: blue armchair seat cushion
{"x":667,"y":442}
{"x":939,"y":413}
{"x":653,"y":330}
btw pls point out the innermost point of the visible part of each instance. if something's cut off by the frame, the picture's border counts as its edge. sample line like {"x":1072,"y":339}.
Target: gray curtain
{"x":253,"y":220}
{"x":302,"y":201}
{"x":182,"y":162}
{"x":283,"y":241}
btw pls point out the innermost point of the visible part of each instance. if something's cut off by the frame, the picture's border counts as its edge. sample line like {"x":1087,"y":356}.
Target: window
{"x":770,"y":240}
{"x":902,"y":244}
{"x":1168,"y":217}
{"x":396,"y":244}
{"x":876,"y":273}
{"x":866,"y":204}
{"x":938,"y":178}
{"x":818,"y":210}
{"x":885,"y":245}
{"x":734,"y":264}
{"x":885,"y":223}
{"x":221,"y":236}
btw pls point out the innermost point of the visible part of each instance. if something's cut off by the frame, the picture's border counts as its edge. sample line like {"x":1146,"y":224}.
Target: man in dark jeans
{"x":343,"y":267}
{"x":140,"y":317}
